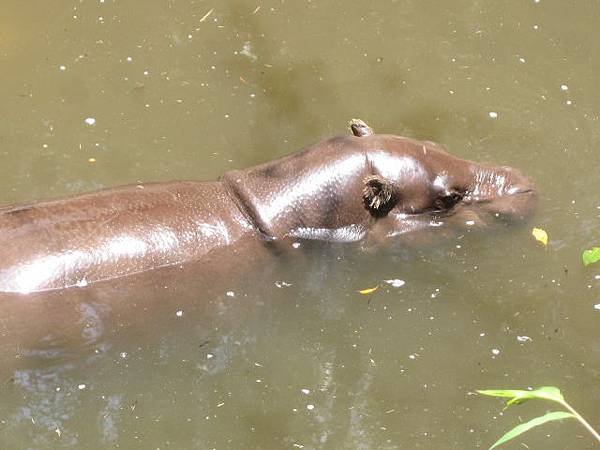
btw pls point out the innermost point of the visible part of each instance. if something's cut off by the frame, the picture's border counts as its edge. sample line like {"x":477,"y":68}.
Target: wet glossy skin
{"x":318,"y":193}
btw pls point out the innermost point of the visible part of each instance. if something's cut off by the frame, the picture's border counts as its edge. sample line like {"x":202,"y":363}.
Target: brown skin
{"x":343,"y":189}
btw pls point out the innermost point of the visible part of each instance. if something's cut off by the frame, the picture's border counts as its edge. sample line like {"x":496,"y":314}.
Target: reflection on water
{"x":289,"y":355}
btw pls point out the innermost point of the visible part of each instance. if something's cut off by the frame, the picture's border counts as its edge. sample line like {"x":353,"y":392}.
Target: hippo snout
{"x":516,"y":200}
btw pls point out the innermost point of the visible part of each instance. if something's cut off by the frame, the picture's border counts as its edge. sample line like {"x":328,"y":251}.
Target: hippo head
{"x":369,"y":185}
{"x":418,"y":184}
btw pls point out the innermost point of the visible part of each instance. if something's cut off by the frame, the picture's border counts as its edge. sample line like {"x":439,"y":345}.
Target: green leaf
{"x":518,"y":396}
{"x":591,"y":256}
{"x":520,"y":429}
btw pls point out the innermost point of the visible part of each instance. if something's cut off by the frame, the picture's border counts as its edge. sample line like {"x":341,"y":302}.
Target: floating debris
{"x":540,"y":235}
{"x":368,"y":290}
{"x":395,"y":282}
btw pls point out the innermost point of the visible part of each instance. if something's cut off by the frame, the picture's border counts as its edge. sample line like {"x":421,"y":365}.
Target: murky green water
{"x":100,"y":93}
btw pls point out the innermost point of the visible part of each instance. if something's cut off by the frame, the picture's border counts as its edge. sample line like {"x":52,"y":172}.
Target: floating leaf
{"x":520,"y":429}
{"x":369,"y":290}
{"x":518,"y":396}
{"x":540,"y":235}
{"x":591,"y":256}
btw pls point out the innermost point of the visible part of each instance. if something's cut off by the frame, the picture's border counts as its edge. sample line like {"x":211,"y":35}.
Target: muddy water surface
{"x":107,"y":92}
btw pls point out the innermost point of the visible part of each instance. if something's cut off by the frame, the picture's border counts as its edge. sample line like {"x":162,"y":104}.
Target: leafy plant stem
{"x":581,"y":420}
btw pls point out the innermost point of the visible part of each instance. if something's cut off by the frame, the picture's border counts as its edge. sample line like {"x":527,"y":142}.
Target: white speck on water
{"x":470,"y":222}
{"x":458,"y":246}
{"x":596,"y":277}
{"x":82,"y":386}
{"x":564,"y":87}
{"x":524,"y":339}
{"x":493,"y":114}
{"x":146,"y":72}
{"x":62,"y":67}
{"x":230,"y":294}
{"x":535,"y":27}
{"x":209,"y":356}
{"x":521,"y":59}
{"x":90,"y":121}
{"x":481,"y":334}
{"x":597,"y":306}
{"x":123,"y":355}
{"x":435,"y":294}
{"x":569,"y":102}
{"x":247,"y":51}
{"x":495,"y":351}
{"x":395,"y":282}
{"x":179,"y":313}
{"x":310,"y":407}
{"x":258,"y":380}
{"x":282,"y":284}
{"x":412,"y":357}
{"x":129,"y":59}
{"x":296,"y":244}
{"x":305,"y":391}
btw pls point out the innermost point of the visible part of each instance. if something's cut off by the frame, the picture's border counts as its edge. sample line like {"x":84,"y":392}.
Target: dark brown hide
{"x":343,"y":189}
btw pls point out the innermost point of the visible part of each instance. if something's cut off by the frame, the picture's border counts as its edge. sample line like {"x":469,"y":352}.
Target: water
{"x":102,"y":93}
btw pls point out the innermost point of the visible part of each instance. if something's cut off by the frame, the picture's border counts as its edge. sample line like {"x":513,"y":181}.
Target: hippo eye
{"x":447,"y":200}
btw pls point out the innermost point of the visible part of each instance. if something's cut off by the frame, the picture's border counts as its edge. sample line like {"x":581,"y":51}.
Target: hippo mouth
{"x":515,"y":205}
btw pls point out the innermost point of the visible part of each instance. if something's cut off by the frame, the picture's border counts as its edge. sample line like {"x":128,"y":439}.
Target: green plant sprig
{"x":551,"y":393}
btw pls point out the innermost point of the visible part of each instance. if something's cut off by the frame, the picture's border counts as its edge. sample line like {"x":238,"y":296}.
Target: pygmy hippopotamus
{"x":343,"y":189}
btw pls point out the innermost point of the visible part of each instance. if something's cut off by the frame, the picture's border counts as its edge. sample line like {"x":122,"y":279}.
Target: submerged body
{"x":344,"y":189}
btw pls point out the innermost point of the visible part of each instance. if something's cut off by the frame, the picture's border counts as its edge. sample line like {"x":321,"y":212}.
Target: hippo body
{"x":344,"y":189}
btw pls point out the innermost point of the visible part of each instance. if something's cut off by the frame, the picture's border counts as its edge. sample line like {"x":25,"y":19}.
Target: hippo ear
{"x":379,"y":195}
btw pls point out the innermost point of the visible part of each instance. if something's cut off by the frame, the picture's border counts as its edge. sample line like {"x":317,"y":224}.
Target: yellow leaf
{"x":540,"y":235}
{"x":369,"y":290}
